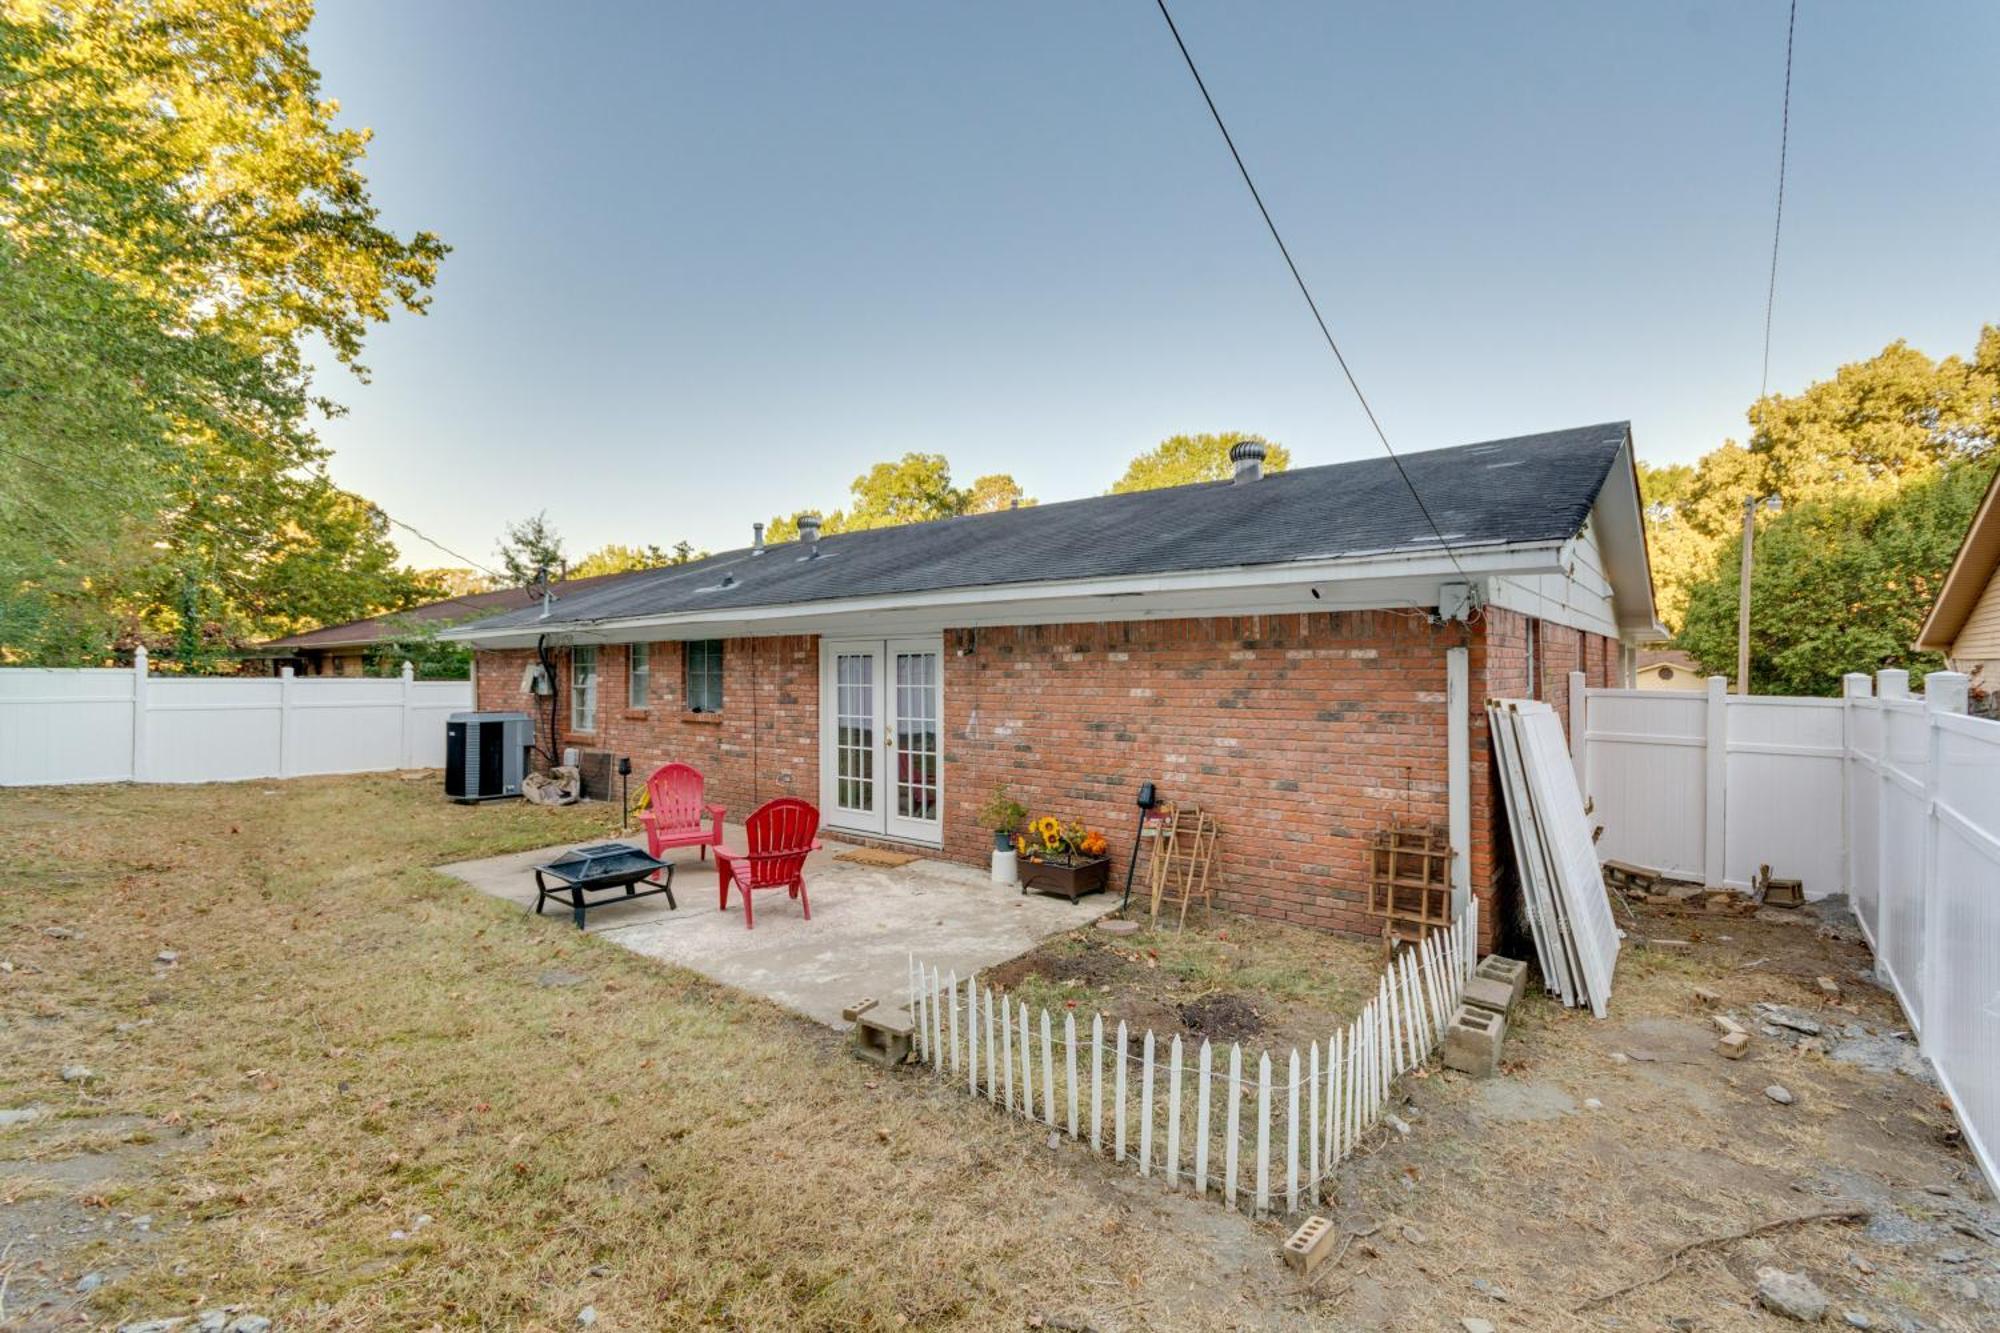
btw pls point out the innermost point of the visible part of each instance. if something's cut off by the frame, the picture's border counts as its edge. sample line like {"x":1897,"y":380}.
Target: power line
{"x":484,"y":569}
{"x":1778,"y":224}
{"x":1305,"y":291}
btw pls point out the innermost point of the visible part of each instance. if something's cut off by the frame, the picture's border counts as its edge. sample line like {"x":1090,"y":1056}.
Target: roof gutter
{"x":1527,"y":558}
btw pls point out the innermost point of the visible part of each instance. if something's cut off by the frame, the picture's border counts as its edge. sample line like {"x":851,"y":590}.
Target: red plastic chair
{"x":780,"y":833}
{"x":672,"y":817}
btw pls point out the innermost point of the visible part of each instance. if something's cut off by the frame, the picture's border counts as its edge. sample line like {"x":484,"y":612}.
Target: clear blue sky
{"x":713,"y":261}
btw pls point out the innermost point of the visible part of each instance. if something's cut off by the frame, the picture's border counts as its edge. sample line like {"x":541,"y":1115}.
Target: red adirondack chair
{"x":673,"y":812}
{"x":780,"y":833}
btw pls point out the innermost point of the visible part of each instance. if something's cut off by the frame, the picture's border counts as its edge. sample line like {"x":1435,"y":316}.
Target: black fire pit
{"x":607,"y":865}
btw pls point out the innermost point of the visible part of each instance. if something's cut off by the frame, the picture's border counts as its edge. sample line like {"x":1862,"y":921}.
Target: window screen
{"x":704,"y":676}
{"x":639,"y":675}
{"x":583,"y":688}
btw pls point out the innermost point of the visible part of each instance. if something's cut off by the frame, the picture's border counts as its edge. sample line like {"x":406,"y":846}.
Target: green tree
{"x":181,"y":216}
{"x":993,"y":493}
{"x":1838,"y":584}
{"x":613,"y":558}
{"x":913,"y":489}
{"x":417,"y":643}
{"x":1872,"y":428}
{"x":532,"y":552}
{"x":1182,"y":460}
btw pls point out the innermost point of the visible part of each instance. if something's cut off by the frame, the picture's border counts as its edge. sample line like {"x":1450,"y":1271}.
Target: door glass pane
{"x":854,"y":731}
{"x":916,"y":722}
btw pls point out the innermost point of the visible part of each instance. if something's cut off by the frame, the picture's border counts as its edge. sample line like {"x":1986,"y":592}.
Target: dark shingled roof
{"x":1531,"y":489}
{"x":451,"y":611}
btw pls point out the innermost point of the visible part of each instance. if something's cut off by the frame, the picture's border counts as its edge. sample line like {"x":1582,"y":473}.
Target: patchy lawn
{"x":315,"y":1079}
{"x":330,"y":1085}
{"x":1224,"y":979}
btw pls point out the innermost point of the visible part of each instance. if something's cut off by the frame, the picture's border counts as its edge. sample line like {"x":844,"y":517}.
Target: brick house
{"x":1295,"y":652}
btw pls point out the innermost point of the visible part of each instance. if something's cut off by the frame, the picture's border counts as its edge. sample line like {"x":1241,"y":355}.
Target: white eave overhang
{"x":1399,"y":581}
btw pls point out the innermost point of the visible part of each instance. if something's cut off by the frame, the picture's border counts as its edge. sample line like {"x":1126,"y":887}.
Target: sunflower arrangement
{"x":1058,"y":840}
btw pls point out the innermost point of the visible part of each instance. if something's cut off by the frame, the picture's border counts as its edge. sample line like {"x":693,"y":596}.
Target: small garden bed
{"x":1231,"y":978}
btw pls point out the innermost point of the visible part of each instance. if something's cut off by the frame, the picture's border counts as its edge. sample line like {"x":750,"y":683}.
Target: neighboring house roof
{"x":451,"y":611}
{"x":1672,"y":657}
{"x":1529,"y":493}
{"x":1972,"y":569}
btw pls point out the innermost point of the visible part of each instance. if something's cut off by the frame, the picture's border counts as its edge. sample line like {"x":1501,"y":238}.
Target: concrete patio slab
{"x":866,"y":923}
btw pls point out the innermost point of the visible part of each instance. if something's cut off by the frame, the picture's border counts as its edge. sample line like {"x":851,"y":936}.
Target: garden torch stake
{"x":1147,"y":800}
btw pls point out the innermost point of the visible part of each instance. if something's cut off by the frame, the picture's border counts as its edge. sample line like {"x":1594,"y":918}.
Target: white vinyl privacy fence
{"x":117,"y":725}
{"x":1889,"y":798}
{"x":1253,"y":1135}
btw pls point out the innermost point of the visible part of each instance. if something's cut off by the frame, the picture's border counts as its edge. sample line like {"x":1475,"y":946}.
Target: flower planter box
{"x":1063,"y":879}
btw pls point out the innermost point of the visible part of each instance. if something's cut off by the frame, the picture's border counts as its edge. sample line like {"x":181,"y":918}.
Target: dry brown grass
{"x":351,"y":1041}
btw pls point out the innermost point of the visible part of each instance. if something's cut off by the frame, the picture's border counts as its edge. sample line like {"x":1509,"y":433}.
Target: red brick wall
{"x":764,"y":742}
{"x":1301,"y":733}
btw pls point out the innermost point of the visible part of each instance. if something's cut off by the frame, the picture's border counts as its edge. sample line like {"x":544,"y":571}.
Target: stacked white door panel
{"x":1576,"y":941}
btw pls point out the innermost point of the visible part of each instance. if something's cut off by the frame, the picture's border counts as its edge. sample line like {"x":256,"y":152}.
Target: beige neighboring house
{"x":1964,"y":624}
{"x":1667,"y":669}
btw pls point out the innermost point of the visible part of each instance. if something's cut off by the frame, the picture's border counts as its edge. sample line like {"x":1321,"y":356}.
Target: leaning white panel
{"x":1560,"y":815}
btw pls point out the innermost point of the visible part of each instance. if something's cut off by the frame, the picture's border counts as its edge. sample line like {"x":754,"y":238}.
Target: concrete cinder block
{"x":1310,"y":1245}
{"x":1488,"y":993}
{"x":1472,"y":1042}
{"x":884,"y":1036}
{"x":858,"y":1008}
{"x":1511,"y":972}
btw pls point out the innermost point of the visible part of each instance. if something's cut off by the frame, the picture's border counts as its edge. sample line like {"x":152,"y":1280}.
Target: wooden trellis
{"x":1181,"y":866}
{"x":1410,"y":887}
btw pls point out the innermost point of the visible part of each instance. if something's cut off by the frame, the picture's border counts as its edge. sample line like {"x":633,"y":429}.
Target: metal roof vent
{"x":809,"y":534}
{"x":756,"y":539}
{"x":1248,"y":456}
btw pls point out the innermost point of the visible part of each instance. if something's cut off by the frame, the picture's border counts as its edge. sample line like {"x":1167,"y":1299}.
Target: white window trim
{"x":583,"y":687}
{"x":639,"y":675}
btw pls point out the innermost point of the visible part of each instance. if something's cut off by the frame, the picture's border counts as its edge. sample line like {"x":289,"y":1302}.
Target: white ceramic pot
{"x":1005,"y":869}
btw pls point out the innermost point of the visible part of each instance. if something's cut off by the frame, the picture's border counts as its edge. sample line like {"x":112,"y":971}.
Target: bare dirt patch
{"x":1224,"y":979}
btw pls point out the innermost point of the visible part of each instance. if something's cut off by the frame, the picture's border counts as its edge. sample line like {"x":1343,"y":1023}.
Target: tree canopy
{"x":912,"y":489}
{"x":1875,"y":427}
{"x":1840,"y":583}
{"x":531,"y":552}
{"x":1182,"y":460}
{"x":181,"y":217}
{"x":614,"y":558}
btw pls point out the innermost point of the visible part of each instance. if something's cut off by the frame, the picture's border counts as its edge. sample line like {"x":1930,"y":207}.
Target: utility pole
{"x":1743,"y":597}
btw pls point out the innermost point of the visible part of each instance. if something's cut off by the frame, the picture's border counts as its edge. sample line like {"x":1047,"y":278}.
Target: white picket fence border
{"x":1319,"y":1110}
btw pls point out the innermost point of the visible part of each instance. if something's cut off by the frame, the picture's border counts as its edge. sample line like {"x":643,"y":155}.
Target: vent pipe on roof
{"x":809,"y":533}
{"x":1248,"y":456}
{"x":756,"y":539}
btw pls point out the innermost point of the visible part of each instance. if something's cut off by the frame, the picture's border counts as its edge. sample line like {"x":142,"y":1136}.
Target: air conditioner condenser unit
{"x":486,"y":755}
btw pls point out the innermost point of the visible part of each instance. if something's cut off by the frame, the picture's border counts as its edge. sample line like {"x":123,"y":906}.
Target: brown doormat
{"x":875,"y":856}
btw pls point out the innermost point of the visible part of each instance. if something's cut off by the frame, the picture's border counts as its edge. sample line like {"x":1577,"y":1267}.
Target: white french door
{"x":881,"y":709}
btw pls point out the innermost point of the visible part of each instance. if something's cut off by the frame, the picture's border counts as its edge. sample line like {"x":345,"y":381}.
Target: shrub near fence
{"x":1237,"y":1125}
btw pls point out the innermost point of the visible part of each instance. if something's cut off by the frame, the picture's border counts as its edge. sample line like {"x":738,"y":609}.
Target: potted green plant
{"x":1003,"y":814}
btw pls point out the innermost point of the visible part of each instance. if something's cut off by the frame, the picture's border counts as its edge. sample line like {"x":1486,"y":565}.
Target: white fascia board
{"x":1131,"y":597}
